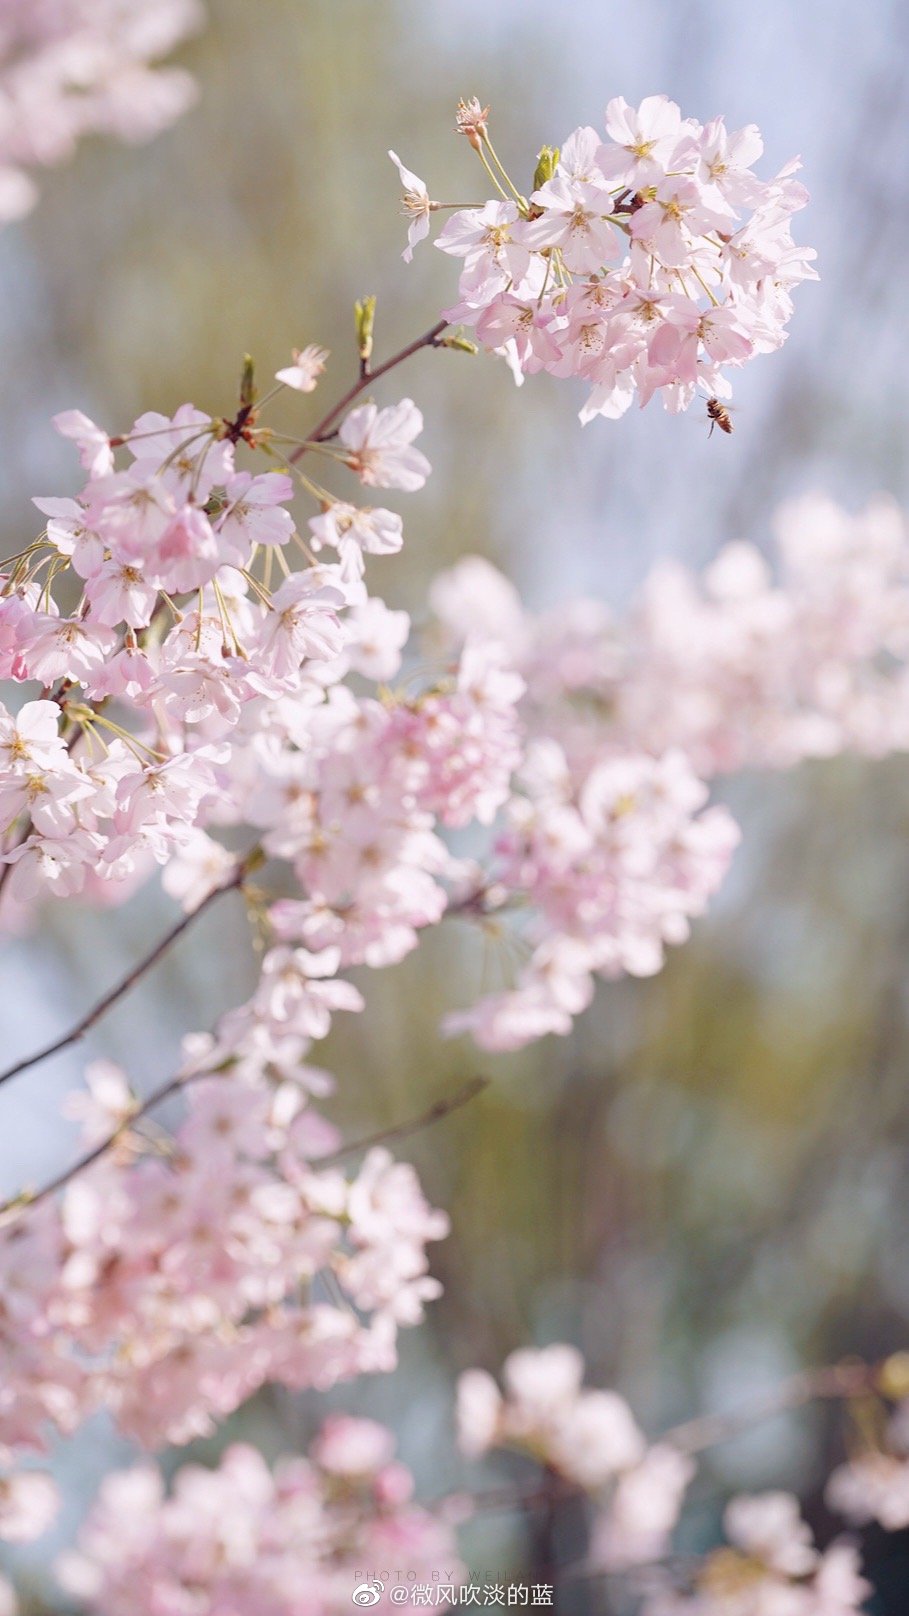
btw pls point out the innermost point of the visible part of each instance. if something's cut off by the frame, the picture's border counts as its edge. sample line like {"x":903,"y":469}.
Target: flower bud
{"x":546,"y":166}
{"x":247,"y":383}
{"x":457,"y":340}
{"x":364,"y":316}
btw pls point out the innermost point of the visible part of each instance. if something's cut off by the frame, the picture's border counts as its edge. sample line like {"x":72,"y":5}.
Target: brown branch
{"x":174,"y":1085}
{"x":129,"y":981}
{"x":27,"y":1200}
{"x":403,"y":1130}
{"x":830,"y":1383}
{"x":325,"y":428}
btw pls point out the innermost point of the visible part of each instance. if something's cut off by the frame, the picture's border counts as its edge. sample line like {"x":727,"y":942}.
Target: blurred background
{"x":704,"y":1187}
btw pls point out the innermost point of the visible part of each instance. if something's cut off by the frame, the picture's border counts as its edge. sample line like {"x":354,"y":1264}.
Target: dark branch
{"x":325,"y":428}
{"x":174,"y":1085}
{"x":129,"y":981}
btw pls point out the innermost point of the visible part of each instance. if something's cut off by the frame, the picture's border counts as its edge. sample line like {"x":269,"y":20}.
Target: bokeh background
{"x":704,"y":1186}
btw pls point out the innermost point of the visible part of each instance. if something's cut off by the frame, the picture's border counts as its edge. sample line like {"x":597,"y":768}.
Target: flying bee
{"x":718,"y":415}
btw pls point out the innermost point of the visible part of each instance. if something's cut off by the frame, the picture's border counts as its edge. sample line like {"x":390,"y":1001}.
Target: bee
{"x":718,"y":415}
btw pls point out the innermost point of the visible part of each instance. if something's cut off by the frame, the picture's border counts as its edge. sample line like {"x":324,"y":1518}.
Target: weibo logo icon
{"x":367,"y":1593}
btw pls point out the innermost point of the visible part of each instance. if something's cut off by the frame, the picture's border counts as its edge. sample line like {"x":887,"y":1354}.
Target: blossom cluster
{"x":178,"y":1273}
{"x":588,"y":1438}
{"x":605,"y":830}
{"x":589,"y":1441}
{"x":357,"y":815}
{"x":242,"y":1536}
{"x":197,"y":669}
{"x":769,"y":1568}
{"x":180,"y":693}
{"x":180,"y":523}
{"x":751,"y":665}
{"x":873,"y":1485}
{"x":73,"y":67}
{"x":614,"y":862}
{"x":586,"y":1435}
{"x":646,"y":262}
{"x":258,"y":1542}
{"x":744,"y":669}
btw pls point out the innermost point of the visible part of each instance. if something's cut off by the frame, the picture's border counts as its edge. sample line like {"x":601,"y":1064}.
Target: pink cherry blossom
{"x":107,"y":1104}
{"x":379,"y":445}
{"x":28,"y":1503}
{"x":31,"y":737}
{"x":588,"y":1436}
{"x":199,"y":865}
{"x":251,"y":1540}
{"x":416,"y":206}
{"x":308,"y":365}
{"x":576,"y":217}
{"x":302,"y":623}
{"x":636,"y":1526}
{"x":355,"y":532}
{"x":645,"y":140}
{"x":93,"y":444}
{"x":69,"y":70}
{"x":213,"y":700}
{"x":872,"y":1487}
{"x":646,"y":262}
{"x":255,"y":513}
{"x":376,"y":637}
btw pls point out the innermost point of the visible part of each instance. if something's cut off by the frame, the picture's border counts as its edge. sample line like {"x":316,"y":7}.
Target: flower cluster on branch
{"x":69,"y":68}
{"x":201,"y":679}
{"x":256,"y":1542}
{"x":251,"y":1539}
{"x":644,"y":263}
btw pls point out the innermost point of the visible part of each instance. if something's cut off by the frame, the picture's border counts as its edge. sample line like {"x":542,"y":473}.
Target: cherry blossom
{"x":635,"y":1527}
{"x":255,"y":513}
{"x":614,"y":862}
{"x":872,"y":1487}
{"x":379,"y":445}
{"x":647,"y":262}
{"x":588,"y":1436}
{"x":68,"y":69}
{"x":94,"y":445}
{"x":193,"y":688}
{"x":28,"y":1503}
{"x":308,"y":365}
{"x":253,"y":1539}
{"x":771,"y":1568}
{"x":416,"y":205}
{"x":356,"y":532}
{"x":168,"y":1290}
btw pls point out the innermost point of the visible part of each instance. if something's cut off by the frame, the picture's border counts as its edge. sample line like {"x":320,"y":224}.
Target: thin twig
{"x":129,"y":981}
{"x":324,"y":428}
{"x":832,"y":1382}
{"x":175,"y":1085}
{"x":403,"y":1130}
{"x":829,"y":1383}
